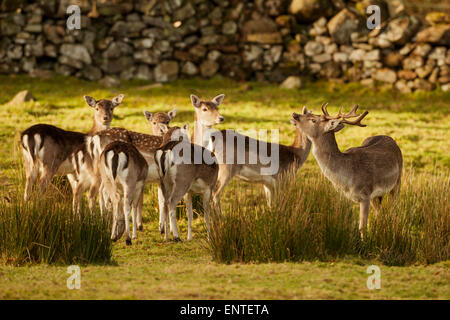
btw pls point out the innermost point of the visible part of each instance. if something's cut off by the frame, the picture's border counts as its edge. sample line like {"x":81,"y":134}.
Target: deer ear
{"x":218,"y":100}
{"x":172,"y":114}
{"x":148,"y":115}
{"x":164,"y":128}
{"x":334,"y":125}
{"x":305,"y":111}
{"x":195,"y":100}
{"x":90,"y":101}
{"x":117,"y":100}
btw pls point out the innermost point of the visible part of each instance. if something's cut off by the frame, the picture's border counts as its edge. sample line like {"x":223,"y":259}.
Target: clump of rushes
{"x":416,"y":226}
{"x":47,"y":231}
{"x":310,"y":220}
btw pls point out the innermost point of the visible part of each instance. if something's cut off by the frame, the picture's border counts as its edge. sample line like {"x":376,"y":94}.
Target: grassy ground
{"x":156,"y":270}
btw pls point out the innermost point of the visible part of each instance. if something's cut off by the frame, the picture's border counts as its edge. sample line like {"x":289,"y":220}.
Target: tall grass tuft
{"x":47,"y":231}
{"x":415,"y":227}
{"x":310,"y":220}
{"x":307,"y":220}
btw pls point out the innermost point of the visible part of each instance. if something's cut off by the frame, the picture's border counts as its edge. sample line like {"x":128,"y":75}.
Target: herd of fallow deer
{"x":114,"y":164}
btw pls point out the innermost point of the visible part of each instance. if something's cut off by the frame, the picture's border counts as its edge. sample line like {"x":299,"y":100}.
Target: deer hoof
{"x":177,"y":239}
{"x":141,"y":228}
{"x":128,"y":242}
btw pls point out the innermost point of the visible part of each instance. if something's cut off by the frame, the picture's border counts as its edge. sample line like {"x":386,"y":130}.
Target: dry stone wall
{"x":263,"y":40}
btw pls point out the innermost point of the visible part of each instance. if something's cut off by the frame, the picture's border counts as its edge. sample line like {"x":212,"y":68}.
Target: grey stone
{"x":143,"y":72}
{"x":385,"y":75}
{"x":342,"y":25}
{"x":209,"y":68}
{"x":340,"y":57}
{"x":166,"y":71}
{"x":146,"y":56}
{"x":92,"y":73}
{"x":214,"y":55}
{"x":229,"y":28}
{"x":252,"y":52}
{"x":439,"y":34}
{"x":15,"y":52}
{"x":291,"y":82}
{"x":412,"y":62}
{"x":68,"y":61}
{"x":185,"y":12}
{"x":400,"y":30}
{"x":313,"y":48}
{"x":189,"y":68}
{"x":77,"y":52}
{"x":21,"y":98}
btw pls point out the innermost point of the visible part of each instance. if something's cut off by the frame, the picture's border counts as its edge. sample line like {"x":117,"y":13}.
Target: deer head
{"x":103,"y":109}
{"x":317,"y":125}
{"x":155,"y":119}
{"x":174,"y":133}
{"x":207,"y":112}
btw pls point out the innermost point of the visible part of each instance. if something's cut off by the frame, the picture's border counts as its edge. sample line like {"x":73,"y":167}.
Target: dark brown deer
{"x":46,"y":148}
{"x":366,"y":173}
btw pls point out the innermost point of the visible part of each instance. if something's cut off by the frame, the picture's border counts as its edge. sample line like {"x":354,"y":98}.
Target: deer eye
{"x":154,"y":122}
{"x":313,"y":120}
{"x":204,"y":109}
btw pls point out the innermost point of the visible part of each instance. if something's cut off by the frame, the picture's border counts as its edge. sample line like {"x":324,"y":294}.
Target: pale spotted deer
{"x":182,"y":175}
{"x":146,"y":144}
{"x":86,"y":177}
{"x":366,"y":173}
{"x":46,"y":148}
{"x":123,"y":171}
{"x":234,"y":151}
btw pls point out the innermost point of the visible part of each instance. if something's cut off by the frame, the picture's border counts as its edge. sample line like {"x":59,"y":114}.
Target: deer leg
{"x":93,"y":192}
{"x":115,"y":233}
{"x":189,"y":212}
{"x":126,"y":211}
{"x":46,"y":176}
{"x":162,"y":208}
{"x":225,"y":175}
{"x":31,"y":173}
{"x":139,"y":204}
{"x":364,"y":207}
{"x":206,"y":199}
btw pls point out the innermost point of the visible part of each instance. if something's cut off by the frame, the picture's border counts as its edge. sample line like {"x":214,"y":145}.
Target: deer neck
{"x":96,"y":127}
{"x":332,"y":162}
{"x":301,"y":145}
{"x":199,"y":132}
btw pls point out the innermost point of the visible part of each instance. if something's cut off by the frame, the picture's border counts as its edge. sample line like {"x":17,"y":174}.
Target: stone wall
{"x":263,"y":40}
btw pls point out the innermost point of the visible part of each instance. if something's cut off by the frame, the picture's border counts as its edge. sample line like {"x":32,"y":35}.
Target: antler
{"x":345,"y":116}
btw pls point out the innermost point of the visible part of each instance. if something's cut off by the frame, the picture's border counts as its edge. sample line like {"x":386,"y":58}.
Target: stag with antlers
{"x":366,"y":173}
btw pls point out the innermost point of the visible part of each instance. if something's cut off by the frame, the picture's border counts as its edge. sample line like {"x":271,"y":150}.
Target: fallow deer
{"x":123,"y":171}
{"x":146,"y":144}
{"x":183,"y":171}
{"x":46,"y":148}
{"x":159,"y":117}
{"x":366,"y":173}
{"x":229,"y":144}
{"x":86,"y":177}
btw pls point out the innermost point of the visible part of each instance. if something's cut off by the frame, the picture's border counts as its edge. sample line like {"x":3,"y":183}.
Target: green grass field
{"x":153,"y":269}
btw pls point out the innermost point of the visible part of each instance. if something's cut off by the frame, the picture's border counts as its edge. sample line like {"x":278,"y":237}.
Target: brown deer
{"x":85,"y":176}
{"x":159,"y":117}
{"x":366,"y":173}
{"x":46,"y":148}
{"x":206,"y":116}
{"x":255,"y":161}
{"x":146,"y":144}
{"x":182,"y":175}
{"x":123,"y":171}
